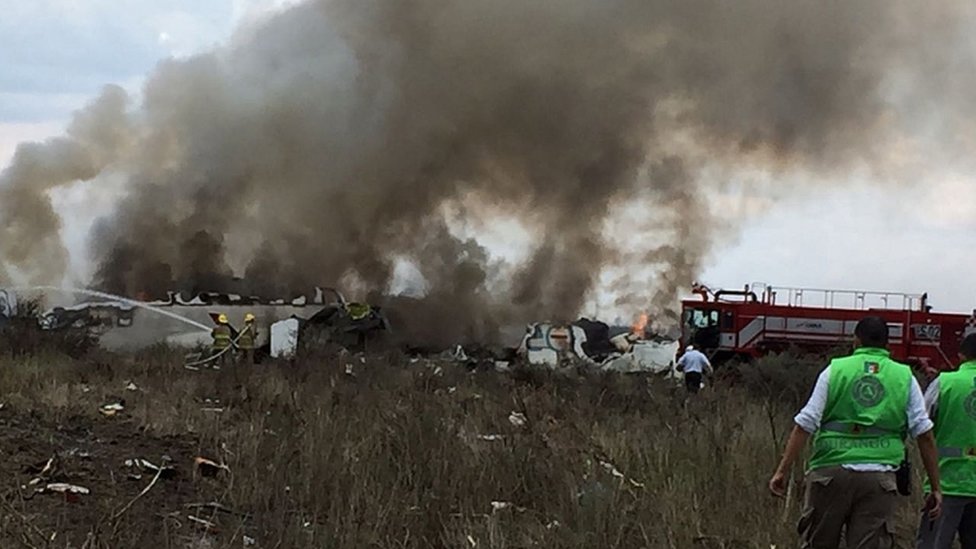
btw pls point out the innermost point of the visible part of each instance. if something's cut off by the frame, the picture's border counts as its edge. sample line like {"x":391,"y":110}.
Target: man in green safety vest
{"x":859,"y":414}
{"x":951,"y":402}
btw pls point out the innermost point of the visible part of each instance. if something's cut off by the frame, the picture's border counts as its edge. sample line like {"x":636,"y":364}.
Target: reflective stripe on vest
{"x":948,"y":452}
{"x":855,"y":429}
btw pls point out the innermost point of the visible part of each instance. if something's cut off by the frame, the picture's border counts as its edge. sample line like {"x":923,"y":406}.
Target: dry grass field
{"x":388,"y":452}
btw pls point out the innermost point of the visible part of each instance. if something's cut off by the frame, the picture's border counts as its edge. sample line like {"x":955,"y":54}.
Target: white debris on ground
{"x":614,"y":472}
{"x":111,"y":408}
{"x":500,"y":505}
{"x":63,"y":488}
{"x":517,"y":419}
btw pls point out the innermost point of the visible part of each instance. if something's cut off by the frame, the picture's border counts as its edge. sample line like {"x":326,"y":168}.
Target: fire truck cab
{"x":759,"y":319}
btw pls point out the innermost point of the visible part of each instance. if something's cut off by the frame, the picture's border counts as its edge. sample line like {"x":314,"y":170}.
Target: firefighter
{"x":951,"y":402}
{"x":246,"y":339}
{"x":861,"y":408}
{"x":694,"y":364}
{"x":222,"y":339}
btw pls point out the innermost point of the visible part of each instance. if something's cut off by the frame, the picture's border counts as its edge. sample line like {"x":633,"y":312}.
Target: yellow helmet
{"x":248,"y":317}
{"x":222,"y":319}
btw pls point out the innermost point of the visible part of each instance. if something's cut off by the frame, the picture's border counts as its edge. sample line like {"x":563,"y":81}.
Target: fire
{"x":639,"y":325}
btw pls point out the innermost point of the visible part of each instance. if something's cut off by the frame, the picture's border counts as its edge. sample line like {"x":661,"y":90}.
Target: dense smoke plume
{"x":323,"y":144}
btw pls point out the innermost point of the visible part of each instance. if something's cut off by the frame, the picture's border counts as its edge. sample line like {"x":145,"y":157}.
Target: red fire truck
{"x":759,"y":319}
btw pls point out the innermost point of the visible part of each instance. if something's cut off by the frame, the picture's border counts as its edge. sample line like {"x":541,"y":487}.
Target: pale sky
{"x":56,"y":54}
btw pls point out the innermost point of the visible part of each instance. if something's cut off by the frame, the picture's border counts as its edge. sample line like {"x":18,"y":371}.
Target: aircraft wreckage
{"x":125,"y":324}
{"x":322,"y":317}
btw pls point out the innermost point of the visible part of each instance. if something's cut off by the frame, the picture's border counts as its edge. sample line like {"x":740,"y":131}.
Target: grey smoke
{"x":323,"y":143}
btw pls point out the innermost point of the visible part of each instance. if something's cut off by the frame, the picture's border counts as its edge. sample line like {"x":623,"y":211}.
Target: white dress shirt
{"x":932,"y":398}
{"x":809,"y":417}
{"x":694,"y":361}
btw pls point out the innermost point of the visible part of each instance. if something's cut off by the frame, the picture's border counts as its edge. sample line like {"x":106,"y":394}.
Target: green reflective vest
{"x":955,"y":431}
{"x":221,"y":336}
{"x":865,"y":419}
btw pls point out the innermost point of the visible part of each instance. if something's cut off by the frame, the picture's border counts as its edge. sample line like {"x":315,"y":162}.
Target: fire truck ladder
{"x":840,"y":299}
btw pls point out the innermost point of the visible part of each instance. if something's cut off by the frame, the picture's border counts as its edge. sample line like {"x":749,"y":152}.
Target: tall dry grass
{"x":403,"y":453}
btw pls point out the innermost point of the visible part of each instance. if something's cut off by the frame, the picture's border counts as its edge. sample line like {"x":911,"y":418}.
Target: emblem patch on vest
{"x":871,"y":367}
{"x":970,"y":405}
{"x":868,"y":391}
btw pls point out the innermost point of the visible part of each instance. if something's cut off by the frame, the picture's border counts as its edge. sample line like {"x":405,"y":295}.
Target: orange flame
{"x":639,"y":325}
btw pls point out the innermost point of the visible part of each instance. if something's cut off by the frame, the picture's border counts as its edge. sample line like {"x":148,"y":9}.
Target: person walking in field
{"x":694,"y":364}
{"x":951,"y":403}
{"x":859,"y":414}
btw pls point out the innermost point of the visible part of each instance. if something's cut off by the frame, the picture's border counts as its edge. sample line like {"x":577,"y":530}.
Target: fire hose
{"x":215,"y":356}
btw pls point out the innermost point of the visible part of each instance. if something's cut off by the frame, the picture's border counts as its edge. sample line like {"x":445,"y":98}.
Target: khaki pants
{"x":861,"y":504}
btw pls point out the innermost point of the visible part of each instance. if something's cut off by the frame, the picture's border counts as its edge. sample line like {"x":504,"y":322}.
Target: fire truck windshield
{"x":700,"y":318}
{"x":700,"y":327}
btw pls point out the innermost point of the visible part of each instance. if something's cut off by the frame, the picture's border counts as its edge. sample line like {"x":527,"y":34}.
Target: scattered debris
{"x":249,"y":541}
{"x":451,"y":390}
{"x":209,"y":467}
{"x":502,"y":366}
{"x":112,"y":408}
{"x":552,"y":524}
{"x":130,"y":386}
{"x":590,"y":342}
{"x":164,"y":471}
{"x":611,"y":468}
{"x":206,"y":525}
{"x":614,"y":472}
{"x":517,"y":419}
{"x":490,"y":438}
{"x":348,"y":325}
{"x":79,"y":453}
{"x":215,"y":507}
{"x":63,"y":487}
{"x":212,"y":405}
{"x":69,"y":491}
{"x":472,"y":541}
{"x":44,"y":472}
{"x":349,"y":371}
{"x":500,"y":505}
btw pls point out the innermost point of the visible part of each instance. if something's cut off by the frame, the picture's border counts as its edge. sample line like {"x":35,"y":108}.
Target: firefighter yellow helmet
{"x":222,"y":319}
{"x":248,"y":317}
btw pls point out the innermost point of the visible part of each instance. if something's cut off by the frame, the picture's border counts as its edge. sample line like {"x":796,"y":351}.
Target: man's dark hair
{"x":872,"y":331}
{"x":968,"y":347}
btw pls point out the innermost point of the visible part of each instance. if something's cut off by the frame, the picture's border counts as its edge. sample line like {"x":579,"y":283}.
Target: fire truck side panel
{"x":754,"y":328}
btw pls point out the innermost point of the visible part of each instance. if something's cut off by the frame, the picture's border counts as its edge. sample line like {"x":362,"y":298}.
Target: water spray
{"x":114,"y":297}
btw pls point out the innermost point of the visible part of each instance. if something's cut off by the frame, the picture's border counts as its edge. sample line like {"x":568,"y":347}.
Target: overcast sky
{"x":56,"y":54}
